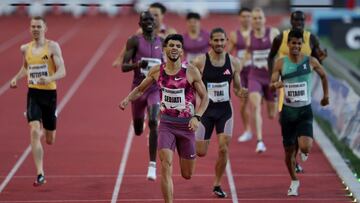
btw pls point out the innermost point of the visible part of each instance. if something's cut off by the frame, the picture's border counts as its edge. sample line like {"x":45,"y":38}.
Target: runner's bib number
{"x":296,"y":92}
{"x":173,"y":98}
{"x":218,"y":92}
{"x":35,"y":71}
{"x":151,"y":62}
{"x":260,"y":58}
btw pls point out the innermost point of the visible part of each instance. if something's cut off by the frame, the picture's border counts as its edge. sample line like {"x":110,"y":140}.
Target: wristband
{"x":197,"y":117}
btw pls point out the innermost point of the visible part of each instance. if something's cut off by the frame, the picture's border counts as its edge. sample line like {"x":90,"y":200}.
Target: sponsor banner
{"x":343,"y":113}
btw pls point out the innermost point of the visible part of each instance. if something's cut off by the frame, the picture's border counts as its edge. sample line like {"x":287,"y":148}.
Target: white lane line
{"x":12,"y":41}
{"x":62,"y":40}
{"x":123,"y":164}
{"x":94,"y":59}
{"x":231,"y":182}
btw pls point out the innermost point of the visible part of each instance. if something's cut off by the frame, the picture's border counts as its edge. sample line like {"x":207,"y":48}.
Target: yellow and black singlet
{"x":38,"y":65}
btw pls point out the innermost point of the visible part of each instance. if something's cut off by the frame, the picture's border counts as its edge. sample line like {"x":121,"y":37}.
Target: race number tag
{"x":35,"y":71}
{"x":218,"y":92}
{"x":296,"y":92}
{"x":260,"y":58}
{"x":173,"y":98}
{"x":151,"y":62}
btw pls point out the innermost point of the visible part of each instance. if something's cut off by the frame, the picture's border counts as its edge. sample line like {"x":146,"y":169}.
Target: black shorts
{"x":295,"y":122}
{"x":218,"y":115}
{"x":41,"y":106}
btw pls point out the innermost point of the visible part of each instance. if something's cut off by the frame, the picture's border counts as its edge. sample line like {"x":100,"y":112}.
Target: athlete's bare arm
{"x":231,"y":46}
{"x":275,"y":83}
{"x":23,"y":70}
{"x":131,"y":48}
{"x":273,"y":51}
{"x":194,"y":77}
{"x":319,"y":69}
{"x":56,"y":55}
{"x":316,"y":51}
{"x":199,"y":62}
{"x":120,"y":58}
{"x":152,"y":76}
{"x":237,"y":67}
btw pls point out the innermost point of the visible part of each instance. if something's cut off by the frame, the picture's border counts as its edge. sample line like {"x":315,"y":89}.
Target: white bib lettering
{"x":218,"y":92}
{"x":151,"y":62}
{"x":173,"y":98}
{"x":296,"y":92}
{"x":35,"y":71}
{"x":260,"y":58}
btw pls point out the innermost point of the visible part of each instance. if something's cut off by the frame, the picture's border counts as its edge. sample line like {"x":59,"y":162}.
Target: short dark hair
{"x":176,"y":37}
{"x":143,"y":13}
{"x":244,"y":9}
{"x":193,"y":15}
{"x":159,"y":6}
{"x":297,"y":13}
{"x":39,"y":18}
{"x":295,"y":33}
{"x":217,"y":30}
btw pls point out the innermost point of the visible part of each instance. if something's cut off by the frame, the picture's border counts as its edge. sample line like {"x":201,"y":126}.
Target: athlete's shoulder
{"x":24,"y":47}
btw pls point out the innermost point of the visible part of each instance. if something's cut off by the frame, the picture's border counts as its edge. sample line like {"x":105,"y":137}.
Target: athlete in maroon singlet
{"x":179,"y":121}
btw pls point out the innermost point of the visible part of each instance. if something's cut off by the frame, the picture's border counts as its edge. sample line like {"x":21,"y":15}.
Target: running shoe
{"x":304,"y":156}
{"x":40,"y":180}
{"x":293,"y":189}
{"x":151,"y":174}
{"x":298,"y":168}
{"x":246,"y":136}
{"x":219,"y":192}
{"x":260,"y":147}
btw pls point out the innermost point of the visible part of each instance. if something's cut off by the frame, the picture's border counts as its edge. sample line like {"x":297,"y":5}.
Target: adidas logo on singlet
{"x":227,"y":72}
{"x":45,"y":57}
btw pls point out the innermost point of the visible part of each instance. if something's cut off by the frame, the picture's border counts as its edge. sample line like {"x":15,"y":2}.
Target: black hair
{"x":175,"y":37}
{"x":217,"y":30}
{"x":143,"y":13}
{"x":193,"y":15}
{"x":244,"y":9}
{"x":295,"y":33}
{"x":160,"y":6}
{"x":297,"y":13}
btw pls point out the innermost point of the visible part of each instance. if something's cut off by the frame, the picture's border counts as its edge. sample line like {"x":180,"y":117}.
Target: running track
{"x":96,"y":158}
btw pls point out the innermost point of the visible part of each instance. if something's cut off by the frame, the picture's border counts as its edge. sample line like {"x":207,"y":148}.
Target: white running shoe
{"x":246,"y":136}
{"x":304,"y":156}
{"x":260,"y":147}
{"x":293,"y":189}
{"x":151,"y":174}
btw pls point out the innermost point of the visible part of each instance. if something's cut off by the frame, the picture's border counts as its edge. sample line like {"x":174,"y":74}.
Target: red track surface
{"x":83,"y":164}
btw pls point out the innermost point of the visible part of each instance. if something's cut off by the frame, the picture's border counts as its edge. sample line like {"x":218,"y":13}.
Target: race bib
{"x":173,"y":98}
{"x":296,"y":92}
{"x":35,"y":71}
{"x":151,"y":62}
{"x":218,"y":92}
{"x":260,"y":58}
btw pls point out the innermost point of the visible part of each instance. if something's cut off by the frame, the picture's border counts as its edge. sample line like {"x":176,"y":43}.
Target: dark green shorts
{"x":295,"y":122}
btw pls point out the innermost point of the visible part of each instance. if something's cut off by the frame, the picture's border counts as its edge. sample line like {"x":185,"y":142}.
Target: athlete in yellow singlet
{"x":43,"y":65}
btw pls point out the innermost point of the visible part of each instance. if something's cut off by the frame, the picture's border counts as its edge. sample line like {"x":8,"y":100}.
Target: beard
{"x":173,"y":59}
{"x":218,"y":50}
